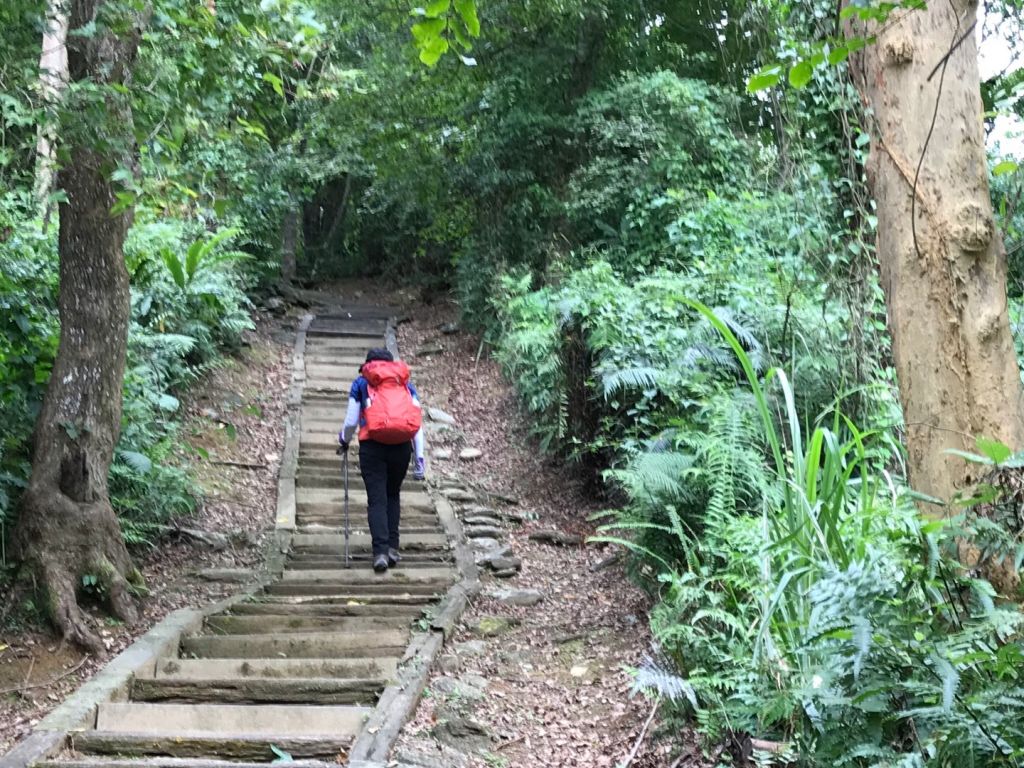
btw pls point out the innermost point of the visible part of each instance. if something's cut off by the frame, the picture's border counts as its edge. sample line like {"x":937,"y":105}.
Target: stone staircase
{"x":296,"y":669}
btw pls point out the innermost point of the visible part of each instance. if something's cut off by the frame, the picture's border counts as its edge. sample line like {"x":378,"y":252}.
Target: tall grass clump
{"x":803,"y":598}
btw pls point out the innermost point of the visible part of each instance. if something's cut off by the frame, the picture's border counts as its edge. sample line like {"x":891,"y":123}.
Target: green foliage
{"x":805,"y":602}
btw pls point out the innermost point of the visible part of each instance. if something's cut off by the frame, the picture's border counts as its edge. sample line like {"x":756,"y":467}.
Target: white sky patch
{"x":994,"y":56}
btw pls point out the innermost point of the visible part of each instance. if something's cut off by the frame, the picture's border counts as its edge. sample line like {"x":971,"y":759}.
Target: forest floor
{"x":552,"y":686}
{"x":234,"y":416}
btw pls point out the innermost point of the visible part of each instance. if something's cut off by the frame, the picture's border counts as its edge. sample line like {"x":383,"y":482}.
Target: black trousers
{"x":383,"y":468}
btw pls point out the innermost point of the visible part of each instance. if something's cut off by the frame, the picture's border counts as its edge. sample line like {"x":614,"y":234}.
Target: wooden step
{"x":233,"y":690}
{"x":219,"y":669}
{"x":236,"y":746}
{"x":308,"y":645}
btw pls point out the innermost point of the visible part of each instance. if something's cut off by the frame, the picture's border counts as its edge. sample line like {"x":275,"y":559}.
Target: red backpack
{"x":389,"y":415}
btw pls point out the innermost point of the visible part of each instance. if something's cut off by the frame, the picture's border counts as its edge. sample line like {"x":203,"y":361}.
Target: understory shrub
{"x":189,"y":309}
{"x":803,"y":601}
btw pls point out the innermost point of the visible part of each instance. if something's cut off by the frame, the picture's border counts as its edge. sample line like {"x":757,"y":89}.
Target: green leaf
{"x":967,"y":456}
{"x":1007,"y":166}
{"x":168,"y":402}
{"x":425,"y":32}
{"x":230,"y":430}
{"x":766,"y":78}
{"x":437,"y":8}
{"x":838,"y":55}
{"x":275,"y":83}
{"x":432,"y":53}
{"x":800,"y":74}
{"x":282,"y":756}
{"x":467,"y":11}
{"x":994,"y":450}
{"x":140,"y":462}
{"x":175,"y":267}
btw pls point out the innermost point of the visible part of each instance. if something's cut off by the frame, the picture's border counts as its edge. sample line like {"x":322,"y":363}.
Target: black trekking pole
{"x":344,"y":475}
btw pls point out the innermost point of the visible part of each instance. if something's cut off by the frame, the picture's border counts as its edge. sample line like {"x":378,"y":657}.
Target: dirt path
{"x":540,"y":685}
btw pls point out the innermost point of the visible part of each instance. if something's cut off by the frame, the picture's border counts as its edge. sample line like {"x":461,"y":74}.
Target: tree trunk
{"x":53,"y":79}
{"x":946,"y":288}
{"x":67,"y":529}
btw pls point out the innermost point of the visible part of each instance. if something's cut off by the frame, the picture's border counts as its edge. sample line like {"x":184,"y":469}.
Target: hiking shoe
{"x":393,"y":557}
{"x":380,"y":563}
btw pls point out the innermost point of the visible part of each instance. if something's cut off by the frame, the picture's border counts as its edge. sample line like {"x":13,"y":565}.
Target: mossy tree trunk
{"x":67,"y":527}
{"x":942,"y":259}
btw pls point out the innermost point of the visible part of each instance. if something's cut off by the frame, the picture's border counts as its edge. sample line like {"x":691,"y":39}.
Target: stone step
{"x":327,"y":563}
{"x":266,"y":721}
{"x":359,"y":576}
{"x":249,"y":625}
{"x":327,"y":539}
{"x":371,"y":331}
{"x":305,"y":690}
{"x":308,"y":645}
{"x":352,"y":598}
{"x":220,"y":669}
{"x":363,"y":344}
{"x":333,"y":481}
{"x":408,"y":610}
{"x":412,"y":500}
{"x":237,"y":746}
{"x":357,"y":525}
{"x":168,"y":762}
{"x":355,"y":591}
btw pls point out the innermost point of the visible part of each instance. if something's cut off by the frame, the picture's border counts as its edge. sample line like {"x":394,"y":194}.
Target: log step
{"x":279,"y":720}
{"x":307,"y":690}
{"x":352,"y":598}
{"x":331,"y":540}
{"x":308,"y":645}
{"x":240,"y":746}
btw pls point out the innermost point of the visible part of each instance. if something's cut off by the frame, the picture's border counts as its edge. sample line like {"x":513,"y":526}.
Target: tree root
{"x":73,"y":548}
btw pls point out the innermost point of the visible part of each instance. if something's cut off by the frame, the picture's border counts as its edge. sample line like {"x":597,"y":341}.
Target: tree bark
{"x":946,"y":287}
{"x":67,"y":529}
{"x":53,"y":80}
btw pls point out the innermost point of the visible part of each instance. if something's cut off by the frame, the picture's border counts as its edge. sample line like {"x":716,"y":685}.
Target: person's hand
{"x":342,"y":444}
{"x":421,"y":469}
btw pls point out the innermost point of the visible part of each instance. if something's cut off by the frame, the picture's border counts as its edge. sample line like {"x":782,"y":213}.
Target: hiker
{"x":384,"y":405}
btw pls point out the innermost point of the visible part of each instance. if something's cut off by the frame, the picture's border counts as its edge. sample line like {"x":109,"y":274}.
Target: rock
{"x":462,"y":733}
{"x":448,"y":328}
{"x":470,"y":454}
{"x":487,"y":557}
{"x":459,"y":688}
{"x":523,"y":597}
{"x":561,"y":538}
{"x":441,"y":454}
{"x":505,"y":562}
{"x":484,"y":532}
{"x":492,"y":626}
{"x":480,"y":520}
{"x":212,"y":539}
{"x":479,"y":509}
{"x":233,"y":575}
{"x":441,"y":417}
{"x":506,"y":573}
{"x":485,"y":545}
{"x":427,"y":753}
{"x":274,"y":304}
{"x":458,"y":494}
{"x":429,"y":349}
{"x":470,"y":648}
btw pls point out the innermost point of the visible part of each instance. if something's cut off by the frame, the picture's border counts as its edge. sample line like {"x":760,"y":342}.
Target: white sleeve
{"x":351,"y":419}
{"x":417,"y":441}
